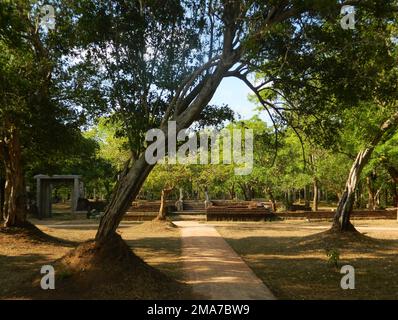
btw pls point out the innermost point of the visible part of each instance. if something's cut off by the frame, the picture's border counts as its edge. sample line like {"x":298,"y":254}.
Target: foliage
{"x":333,"y":257}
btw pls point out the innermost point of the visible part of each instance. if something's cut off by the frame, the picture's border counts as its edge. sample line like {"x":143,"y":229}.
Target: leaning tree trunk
{"x":186,"y":106}
{"x":341,"y":220}
{"x":132,"y":179}
{"x":163,"y":204}
{"x":14,"y":209}
{"x":125,"y":192}
{"x":346,"y":203}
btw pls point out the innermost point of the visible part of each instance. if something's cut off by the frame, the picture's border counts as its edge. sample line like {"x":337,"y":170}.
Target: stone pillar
{"x":75,"y":194}
{"x":45,"y":199}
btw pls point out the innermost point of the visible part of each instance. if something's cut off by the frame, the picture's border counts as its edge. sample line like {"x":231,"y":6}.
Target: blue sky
{"x":234,"y":93}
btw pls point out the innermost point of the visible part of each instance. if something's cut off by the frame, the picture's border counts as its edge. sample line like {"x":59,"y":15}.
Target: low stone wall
{"x":237,"y":213}
{"x":218,"y":213}
{"x":139,"y":216}
{"x":356,"y":214}
{"x":150,"y":206}
{"x":146,"y":210}
{"x":299,"y":207}
{"x":240,"y":204}
{"x":193,"y":205}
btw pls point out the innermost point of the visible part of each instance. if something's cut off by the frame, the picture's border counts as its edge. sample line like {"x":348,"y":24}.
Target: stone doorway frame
{"x":44,"y":185}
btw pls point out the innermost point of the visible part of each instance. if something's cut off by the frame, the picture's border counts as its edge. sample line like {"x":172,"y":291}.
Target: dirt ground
{"x":290,"y":257}
{"x":21,"y":257}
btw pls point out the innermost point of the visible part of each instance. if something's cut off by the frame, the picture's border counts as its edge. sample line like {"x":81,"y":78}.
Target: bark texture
{"x":127,"y":188}
{"x":14,"y":207}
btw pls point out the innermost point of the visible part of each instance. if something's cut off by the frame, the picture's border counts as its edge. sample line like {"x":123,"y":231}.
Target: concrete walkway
{"x":214,"y":269}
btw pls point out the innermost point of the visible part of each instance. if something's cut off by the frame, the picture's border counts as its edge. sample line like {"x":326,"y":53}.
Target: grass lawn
{"x":290,"y":257}
{"x":22,"y":257}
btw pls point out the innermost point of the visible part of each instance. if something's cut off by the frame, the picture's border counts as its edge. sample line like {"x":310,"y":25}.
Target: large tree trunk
{"x":127,"y":188}
{"x":344,"y":209}
{"x":132,"y":179}
{"x":14,"y":209}
{"x":346,"y":203}
{"x":163,"y":204}
{"x":315,"y":201}
{"x":185,"y":108}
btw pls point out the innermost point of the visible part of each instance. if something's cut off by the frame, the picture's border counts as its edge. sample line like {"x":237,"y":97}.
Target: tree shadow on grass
{"x":163,"y":252}
{"x":18,"y":272}
{"x":298,"y":268}
{"x":30,"y":232}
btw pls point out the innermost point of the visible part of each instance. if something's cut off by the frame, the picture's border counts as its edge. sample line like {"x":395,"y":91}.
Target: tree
{"x":19,"y":82}
{"x":311,"y":87}
{"x":345,"y":206}
{"x":240,"y":26}
{"x":165,"y":63}
{"x":34,"y":120}
{"x":386,"y":157}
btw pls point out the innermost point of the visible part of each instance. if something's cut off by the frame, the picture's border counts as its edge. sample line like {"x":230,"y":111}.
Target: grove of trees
{"x":80,"y":97}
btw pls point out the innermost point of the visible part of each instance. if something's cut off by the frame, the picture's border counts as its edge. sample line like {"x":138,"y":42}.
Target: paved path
{"x":213,"y":267}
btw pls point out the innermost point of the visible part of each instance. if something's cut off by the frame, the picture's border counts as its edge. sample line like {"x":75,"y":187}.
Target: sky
{"x":234,"y":93}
